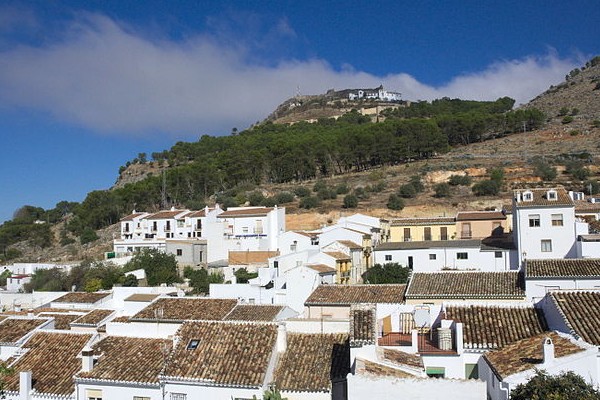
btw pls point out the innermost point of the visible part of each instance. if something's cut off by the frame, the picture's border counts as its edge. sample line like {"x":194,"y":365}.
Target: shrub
{"x":567,"y":119}
{"x":596,"y":123}
{"x":350,"y":201}
{"x":342,"y":188}
{"x":442,"y":190}
{"x":407,"y":191}
{"x":486,"y":188}
{"x":544,"y":170}
{"x":284,"y":197}
{"x":577,"y":170}
{"x":302,"y":191}
{"x":591,"y":187}
{"x":88,"y":235}
{"x":415,"y":180}
{"x":326,"y":194}
{"x":319,"y":185}
{"x":395,"y":203}
{"x":309,"y":202}
{"x":361,"y":193}
{"x":256,"y":198}
{"x":376,"y":188}
{"x":563,"y":111}
{"x":575,"y":111}
{"x":462,"y":180}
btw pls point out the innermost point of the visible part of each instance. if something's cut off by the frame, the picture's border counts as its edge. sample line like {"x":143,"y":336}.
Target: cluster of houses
{"x":492,"y":297}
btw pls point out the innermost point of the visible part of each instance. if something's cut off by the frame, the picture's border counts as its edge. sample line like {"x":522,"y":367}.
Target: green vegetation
{"x":200,"y":279}
{"x":577,"y":169}
{"x":230,"y":167}
{"x":395,"y":202}
{"x":350,"y":201}
{"x":160,"y":267}
{"x":544,"y":170}
{"x":442,"y":190}
{"x":386,"y":273}
{"x":567,"y":119}
{"x":565,"y":386}
{"x":460,"y":180}
{"x":243,"y":276}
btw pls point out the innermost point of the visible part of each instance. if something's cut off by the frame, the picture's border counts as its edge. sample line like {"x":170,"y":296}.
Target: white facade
{"x":544,"y":224}
{"x":460,"y":255}
{"x":537,"y":288}
{"x":292,"y":242}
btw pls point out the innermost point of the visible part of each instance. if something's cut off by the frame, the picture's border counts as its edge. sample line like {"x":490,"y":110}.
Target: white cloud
{"x":106,"y":77}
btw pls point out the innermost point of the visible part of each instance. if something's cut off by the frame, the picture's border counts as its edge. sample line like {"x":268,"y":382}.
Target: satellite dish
{"x":422,"y":317}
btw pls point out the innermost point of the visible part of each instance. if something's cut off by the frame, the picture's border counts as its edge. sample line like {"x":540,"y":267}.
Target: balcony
{"x":427,"y":343}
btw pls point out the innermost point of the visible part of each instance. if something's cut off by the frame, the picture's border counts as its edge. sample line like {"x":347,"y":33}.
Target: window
{"x":179,"y":252}
{"x":444,"y":233}
{"x":140,"y":398}
{"x":498,"y":254}
{"x":557,"y":220}
{"x":245,"y":229}
{"x":435,"y":372}
{"x":407,"y":234}
{"x":546,"y":245}
{"x":388,"y":257}
{"x":465,"y":232}
{"x":528,"y":196}
{"x":93,"y":394}
{"x":552,"y":195}
{"x":432,"y":257}
{"x":178,"y":396}
{"x":462,"y":256}
{"x":534,"y":220}
{"x":193,"y":344}
{"x":427,"y":233}
{"x":471,"y":371}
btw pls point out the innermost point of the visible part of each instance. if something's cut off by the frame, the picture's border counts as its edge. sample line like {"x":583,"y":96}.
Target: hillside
{"x":559,"y":144}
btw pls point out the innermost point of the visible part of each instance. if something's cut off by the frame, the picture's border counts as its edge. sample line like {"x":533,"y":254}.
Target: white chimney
{"x":548,"y":351}
{"x":87,"y":359}
{"x":414,"y":341}
{"x":458,"y":333}
{"x":24,"y":385}
{"x":281,"y":338}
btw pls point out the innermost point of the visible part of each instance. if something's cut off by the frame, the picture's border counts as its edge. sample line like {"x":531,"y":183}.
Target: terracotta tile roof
{"x":232,"y":354}
{"x":248,"y":212}
{"x":363,"y":325}
{"x":93,"y":318}
{"x":338,"y":255}
{"x":321,"y":268}
{"x":251,"y":257}
{"x":563,"y":268}
{"x":254,"y":312}
{"x":479,"y":215}
{"x":579,"y":310}
{"x":372,"y":368}
{"x":527,"y":354}
{"x":129,"y":359}
{"x":181,"y":309}
{"x":142,"y":297}
{"x":62,"y":321}
{"x":131,"y":217}
{"x":311,"y":360}
{"x":540,"y":198}
{"x":401,"y":358}
{"x":354,"y":294}
{"x":197,"y":214}
{"x":350,"y":244}
{"x":493,"y":327}
{"x":81,"y":297}
{"x":422,"y":221}
{"x":13,"y":329}
{"x":122,"y":319}
{"x":582,"y":207}
{"x":589,"y":238}
{"x":429,"y":244}
{"x":465,"y":285}
{"x":52,"y":359}
{"x":165,"y":214}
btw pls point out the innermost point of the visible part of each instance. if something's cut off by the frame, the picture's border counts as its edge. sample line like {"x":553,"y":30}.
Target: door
{"x":410,"y":262}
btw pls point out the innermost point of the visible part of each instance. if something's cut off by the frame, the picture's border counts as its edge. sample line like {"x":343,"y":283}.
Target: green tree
{"x":88,"y":235}
{"x":48,"y":280}
{"x":564,"y":386}
{"x":462,"y":180}
{"x":130,"y":281}
{"x":395,"y":203}
{"x":544,"y":170}
{"x":350,"y":201}
{"x":200,"y":279}
{"x":442,"y":190}
{"x":243,"y":276}
{"x":93,"y":285}
{"x":160,"y":267}
{"x":4,"y":276}
{"x":386,"y":273}
{"x":407,"y":191}
{"x":488,"y":187}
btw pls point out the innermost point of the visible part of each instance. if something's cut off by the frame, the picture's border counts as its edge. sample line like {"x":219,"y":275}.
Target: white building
{"x":544,"y":224}
{"x":490,"y":255}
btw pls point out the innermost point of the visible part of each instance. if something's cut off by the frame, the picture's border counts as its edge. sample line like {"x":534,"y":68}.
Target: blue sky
{"x":87,"y":85}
